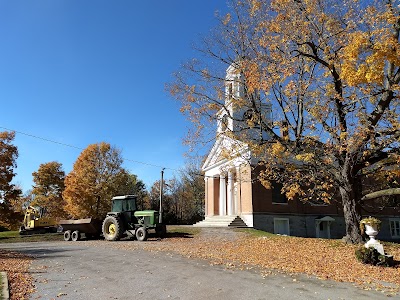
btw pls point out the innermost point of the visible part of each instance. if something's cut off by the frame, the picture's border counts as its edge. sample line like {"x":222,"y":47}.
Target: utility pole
{"x":161,"y":196}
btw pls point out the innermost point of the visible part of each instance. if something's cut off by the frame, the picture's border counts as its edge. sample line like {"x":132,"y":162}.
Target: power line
{"x":43,"y":139}
{"x":80,"y":148}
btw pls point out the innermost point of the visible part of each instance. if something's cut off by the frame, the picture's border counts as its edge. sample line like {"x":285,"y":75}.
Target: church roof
{"x":224,"y":150}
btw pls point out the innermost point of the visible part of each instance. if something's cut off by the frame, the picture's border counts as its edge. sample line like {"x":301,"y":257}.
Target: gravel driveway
{"x":98,"y":270}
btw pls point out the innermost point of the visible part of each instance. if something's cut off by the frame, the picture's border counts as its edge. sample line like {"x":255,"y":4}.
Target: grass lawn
{"x":15,"y":237}
{"x":255,"y":233}
{"x":176,"y":231}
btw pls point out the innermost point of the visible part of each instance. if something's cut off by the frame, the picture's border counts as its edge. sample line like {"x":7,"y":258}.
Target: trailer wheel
{"x":76,"y":236}
{"x":141,"y":234}
{"x":67,"y":235}
{"x":112,"y":228}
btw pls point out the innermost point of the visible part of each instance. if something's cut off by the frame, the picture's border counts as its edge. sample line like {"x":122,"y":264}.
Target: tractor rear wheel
{"x":67,"y":235}
{"x":141,"y":234}
{"x":76,"y":236}
{"x":112,"y":228}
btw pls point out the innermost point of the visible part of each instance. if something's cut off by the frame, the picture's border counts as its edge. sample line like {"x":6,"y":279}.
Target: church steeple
{"x":233,"y":83}
{"x":233,"y":91}
{"x":243,"y":118}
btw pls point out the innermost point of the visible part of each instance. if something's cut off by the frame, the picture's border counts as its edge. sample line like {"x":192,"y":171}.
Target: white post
{"x":238,"y":188}
{"x":222,"y":195}
{"x":206,"y":197}
{"x":230,"y":193}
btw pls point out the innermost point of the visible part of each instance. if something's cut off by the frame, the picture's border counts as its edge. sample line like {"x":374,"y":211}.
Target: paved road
{"x":80,"y":270}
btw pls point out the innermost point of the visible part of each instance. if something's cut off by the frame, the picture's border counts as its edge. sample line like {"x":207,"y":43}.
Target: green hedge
{"x":372,"y":257}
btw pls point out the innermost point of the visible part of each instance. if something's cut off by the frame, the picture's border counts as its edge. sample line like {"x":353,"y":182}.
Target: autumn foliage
{"x":183,"y":196}
{"x":329,"y":70}
{"x":20,"y":280}
{"x":9,"y":192}
{"x":48,"y":189}
{"x":97,"y":176}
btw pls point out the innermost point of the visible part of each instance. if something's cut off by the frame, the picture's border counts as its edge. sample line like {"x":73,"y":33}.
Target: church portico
{"x":223,"y":196}
{"x":223,"y":190}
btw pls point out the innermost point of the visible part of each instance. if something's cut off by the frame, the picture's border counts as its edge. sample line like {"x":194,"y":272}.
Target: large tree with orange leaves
{"x":9,"y":192}
{"x":97,"y":176}
{"x":48,"y":188}
{"x":330,"y":71}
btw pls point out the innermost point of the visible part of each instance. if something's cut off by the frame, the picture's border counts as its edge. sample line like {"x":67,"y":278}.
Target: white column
{"x":206,"y":197}
{"x":222,"y":195}
{"x":230,"y":193}
{"x":237,"y":194}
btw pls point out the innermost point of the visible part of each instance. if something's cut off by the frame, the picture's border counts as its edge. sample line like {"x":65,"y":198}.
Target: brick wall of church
{"x":245,"y":197}
{"x":299,"y":225}
{"x":263,"y":202}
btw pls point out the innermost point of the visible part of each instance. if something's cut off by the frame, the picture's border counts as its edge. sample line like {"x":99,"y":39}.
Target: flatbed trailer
{"x":73,"y":229}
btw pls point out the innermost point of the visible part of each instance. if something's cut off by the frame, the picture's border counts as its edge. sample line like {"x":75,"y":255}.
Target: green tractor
{"x":125,"y":220}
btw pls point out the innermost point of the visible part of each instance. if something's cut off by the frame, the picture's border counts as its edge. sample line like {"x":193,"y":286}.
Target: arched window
{"x":230,"y":90}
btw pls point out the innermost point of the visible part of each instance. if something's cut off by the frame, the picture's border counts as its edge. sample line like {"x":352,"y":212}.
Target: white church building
{"x":233,"y":194}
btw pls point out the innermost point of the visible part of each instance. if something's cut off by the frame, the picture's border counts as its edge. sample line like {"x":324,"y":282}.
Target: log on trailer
{"x":73,"y":229}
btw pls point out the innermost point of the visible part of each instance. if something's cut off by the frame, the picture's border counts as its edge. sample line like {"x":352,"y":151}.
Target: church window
{"x":281,"y":226}
{"x":277,"y":196}
{"x":394,"y":228}
{"x":230,"y":90}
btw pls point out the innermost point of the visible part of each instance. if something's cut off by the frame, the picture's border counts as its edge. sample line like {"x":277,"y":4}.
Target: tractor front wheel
{"x":67,"y":235}
{"x":141,"y":234}
{"x":112,"y":228}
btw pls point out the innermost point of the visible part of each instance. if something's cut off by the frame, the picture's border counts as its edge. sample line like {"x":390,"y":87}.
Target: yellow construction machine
{"x":35,"y":221}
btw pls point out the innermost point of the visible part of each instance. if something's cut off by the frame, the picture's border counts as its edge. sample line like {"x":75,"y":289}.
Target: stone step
{"x":221,"y":221}
{"x":238,"y":222}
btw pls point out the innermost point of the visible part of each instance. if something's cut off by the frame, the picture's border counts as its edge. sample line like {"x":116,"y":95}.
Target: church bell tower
{"x":241,"y":114}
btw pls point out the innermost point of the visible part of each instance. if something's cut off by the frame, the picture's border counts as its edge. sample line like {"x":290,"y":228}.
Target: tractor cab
{"x":125,"y":205}
{"x":125,"y":219}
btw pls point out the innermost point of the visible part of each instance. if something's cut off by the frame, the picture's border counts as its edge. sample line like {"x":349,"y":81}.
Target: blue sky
{"x":82,"y":72}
